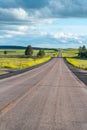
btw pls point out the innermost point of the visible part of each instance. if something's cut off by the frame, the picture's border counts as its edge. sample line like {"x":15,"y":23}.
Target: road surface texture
{"x":50,"y":97}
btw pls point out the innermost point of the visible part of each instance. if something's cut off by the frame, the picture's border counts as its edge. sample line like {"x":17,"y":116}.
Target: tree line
{"x":82,"y":51}
{"x":29,"y":52}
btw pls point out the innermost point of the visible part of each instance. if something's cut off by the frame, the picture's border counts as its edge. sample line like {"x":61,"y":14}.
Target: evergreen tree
{"x":5,"y":52}
{"x":82,"y":51}
{"x":29,"y":51}
{"x":84,"y":48}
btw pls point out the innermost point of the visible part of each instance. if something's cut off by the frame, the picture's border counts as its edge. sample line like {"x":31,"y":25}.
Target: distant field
{"x":71,"y":56}
{"x":11,"y":52}
{"x":20,"y":53}
{"x":70,"y":52}
{"x":15,"y":59}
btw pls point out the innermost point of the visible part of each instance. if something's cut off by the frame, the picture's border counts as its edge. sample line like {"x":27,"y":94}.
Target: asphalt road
{"x":50,"y":97}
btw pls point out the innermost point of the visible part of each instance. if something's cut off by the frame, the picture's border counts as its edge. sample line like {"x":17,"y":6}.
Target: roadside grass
{"x":15,"y":59}
{"x":71,"y":56}
{"x":21,"y":63}
{"x":1,"y":73}
{"x":79,"y":63}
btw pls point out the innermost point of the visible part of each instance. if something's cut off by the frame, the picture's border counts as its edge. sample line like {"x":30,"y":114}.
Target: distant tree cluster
{"x":29,"y":52}
{"x":41,"y":53}
{"x":82,"y":51}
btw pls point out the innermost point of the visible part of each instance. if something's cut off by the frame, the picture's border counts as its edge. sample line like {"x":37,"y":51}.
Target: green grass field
{"x":21,"y":53}
{"x":71,"y":55}
{"x":15,"y":59}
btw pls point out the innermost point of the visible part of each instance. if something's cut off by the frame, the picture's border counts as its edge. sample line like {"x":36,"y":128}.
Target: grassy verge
{"x":71,"y":56}
{"x":79,"y":63}
{"x":21,"y":63}
{"x":1,"y":73}
{"x":16,"y":59}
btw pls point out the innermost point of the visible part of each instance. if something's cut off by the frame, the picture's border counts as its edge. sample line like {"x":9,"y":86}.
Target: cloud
{"x":68,"y":8}
{"x":18,"y":31}
{"x":59,"y":40}
{"x":44,"y":8}
{"x":15,"y":32}
{"x":13,"y":14}
{"x":25,"y":19}
{"x":32,"y":4}
{"x":8,"y":4}
{"x":62,"y":35}
{"x":5,"y":36}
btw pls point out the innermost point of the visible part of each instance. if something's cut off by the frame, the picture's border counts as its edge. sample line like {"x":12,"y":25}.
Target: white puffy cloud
{"x":31,"y":18}
{"x":5,"y":36}
{"x":20,"y":14}
{"x":13,"y":14}
{"x":63,"y":35}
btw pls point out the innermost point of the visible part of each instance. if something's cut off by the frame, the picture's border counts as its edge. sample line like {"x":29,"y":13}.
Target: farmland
{"x":71,"y":55}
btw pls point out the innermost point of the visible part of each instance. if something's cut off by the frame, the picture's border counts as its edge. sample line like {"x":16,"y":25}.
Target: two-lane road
{"x":46,"y":98}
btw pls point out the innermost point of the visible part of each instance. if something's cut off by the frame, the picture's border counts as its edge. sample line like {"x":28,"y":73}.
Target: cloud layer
{"x":29,"y":20}
{"x":25,"y":9}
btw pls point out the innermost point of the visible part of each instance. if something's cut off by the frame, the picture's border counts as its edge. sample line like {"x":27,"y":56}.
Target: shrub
{"x":41,"y":53}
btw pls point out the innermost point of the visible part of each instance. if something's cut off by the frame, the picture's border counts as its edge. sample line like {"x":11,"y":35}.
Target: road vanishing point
{"x":49,"y":97}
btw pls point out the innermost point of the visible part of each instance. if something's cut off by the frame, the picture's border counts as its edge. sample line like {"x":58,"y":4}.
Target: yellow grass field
{"x":15,"y":59}
{"x":21,"y":63}
{"x":71,"y":55}
{"x":80,"y":63}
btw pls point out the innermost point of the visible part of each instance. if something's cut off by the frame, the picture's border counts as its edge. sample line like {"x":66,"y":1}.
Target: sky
{"x":43,"y":23}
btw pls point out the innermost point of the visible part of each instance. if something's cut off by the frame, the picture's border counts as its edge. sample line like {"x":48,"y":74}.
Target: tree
{"x":29,"y":51}
{"x":84,"y":48}
{"x":5,"y":52}
{"x":41,"y":53}
{"x":82,"y":51}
